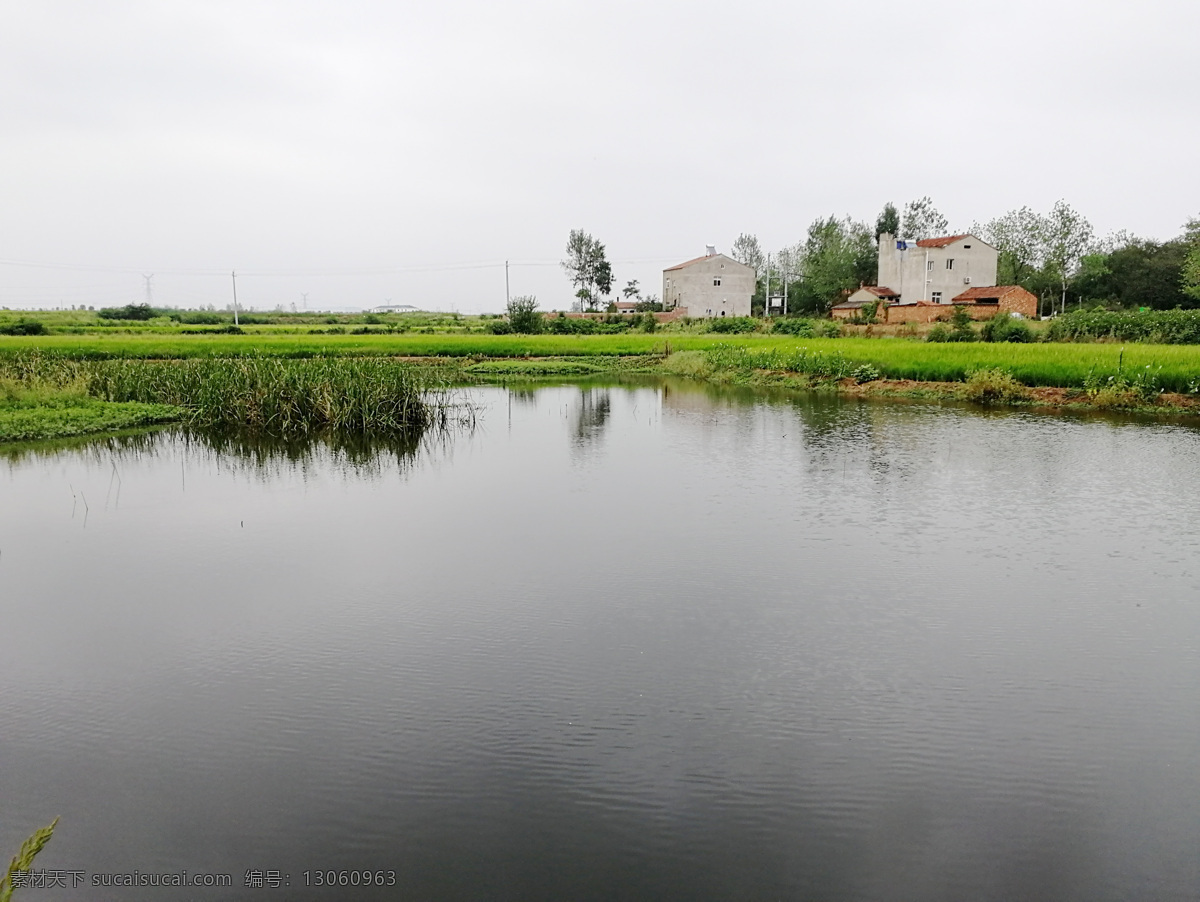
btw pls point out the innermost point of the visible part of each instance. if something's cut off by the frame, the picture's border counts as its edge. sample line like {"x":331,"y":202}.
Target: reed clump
{"x":279,"y":395}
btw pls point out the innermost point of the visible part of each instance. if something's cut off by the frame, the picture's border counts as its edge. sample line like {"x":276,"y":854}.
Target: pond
{"x":641,"y":641}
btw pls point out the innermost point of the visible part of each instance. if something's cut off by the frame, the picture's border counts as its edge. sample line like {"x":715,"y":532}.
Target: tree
{"x":587,"y":268}
{"x":839,"y":255}
{"x":1190,"y":276}
{"x":888,"y":221}
{"x":1066,"y":238}
{"x":523,"y":315}
{"x":746,"y":250}
{"x":922,"y":220}
{"x":631,"y":290}
{"x":1018,"y":236}
{"x":1142,"y":273}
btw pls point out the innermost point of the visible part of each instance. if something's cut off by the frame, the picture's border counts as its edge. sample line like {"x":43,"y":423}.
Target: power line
{"x":279,"y":273}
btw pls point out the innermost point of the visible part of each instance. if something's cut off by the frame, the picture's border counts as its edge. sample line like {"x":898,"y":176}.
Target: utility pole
{"x":767,"y":289}
{"x":304,"y":300}
{"x":235,"y":304}
{"x":507,"y":296}
{"x":149,"y":289}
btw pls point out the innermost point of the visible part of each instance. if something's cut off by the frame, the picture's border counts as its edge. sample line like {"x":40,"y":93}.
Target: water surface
{"x":640,"y":642}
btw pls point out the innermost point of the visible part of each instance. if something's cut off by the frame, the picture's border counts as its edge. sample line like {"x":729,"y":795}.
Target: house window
{"x":950,"y":263}
{"x":937,"y":297}
{"x":966,"y":247}
{"x":717,"y":281}
{"x":929,"y":266}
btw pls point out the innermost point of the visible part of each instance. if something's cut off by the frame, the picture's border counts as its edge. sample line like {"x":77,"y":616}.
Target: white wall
{"x":911,"y":274}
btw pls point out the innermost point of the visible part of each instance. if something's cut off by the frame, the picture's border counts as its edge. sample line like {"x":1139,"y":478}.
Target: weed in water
{"x":993,"y":386}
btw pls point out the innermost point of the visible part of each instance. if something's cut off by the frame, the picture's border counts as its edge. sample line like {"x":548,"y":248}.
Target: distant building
{"x":709,"y":286}
{"x":935,"y":269}
{"x":867,"y":294}
{"x":626,"y":306}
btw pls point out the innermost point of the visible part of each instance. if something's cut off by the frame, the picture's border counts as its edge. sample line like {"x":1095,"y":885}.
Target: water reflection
{"x":265,"y":456}
{"x":803,"y":648}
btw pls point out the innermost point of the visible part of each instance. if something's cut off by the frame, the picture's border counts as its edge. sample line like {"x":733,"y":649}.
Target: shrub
{"x":500,"y":327}
{"x":865,"y":372}
{"x":866,"y":314}
{"x":523,"y":315}
{"x":801,"y":328}
{"x":129,"y":311}
{"x":732,"y":324}
{"x":938,"y":333}
{"x":993,"y":386}
{"x":1003,"y":327}
{"x":960,"y":322}
{"x":24,"y":327}
{"x":198,"y":317}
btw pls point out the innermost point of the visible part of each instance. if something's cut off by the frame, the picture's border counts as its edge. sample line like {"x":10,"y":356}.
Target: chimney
{"x":710,"y":250}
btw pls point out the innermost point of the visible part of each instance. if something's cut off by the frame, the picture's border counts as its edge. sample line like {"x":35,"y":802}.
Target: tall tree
{"x":839,"y":254}
{"x":1066,"y":238}
{"x":922,"y":220}
{"x":888,"y":221}
{"x":1018,"y":236}
{"x":747,"y":250}
{"x":587,"y":268}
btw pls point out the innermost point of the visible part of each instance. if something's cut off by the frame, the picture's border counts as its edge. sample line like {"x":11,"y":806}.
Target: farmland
{"x":70,"y":383}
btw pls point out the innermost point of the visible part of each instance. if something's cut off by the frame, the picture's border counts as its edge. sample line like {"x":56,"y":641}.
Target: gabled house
{"x":710,"y":286}
{"x":935,"y":269}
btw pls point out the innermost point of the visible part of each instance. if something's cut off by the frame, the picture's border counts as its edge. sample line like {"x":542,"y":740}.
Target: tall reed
{"x":278,"y":395}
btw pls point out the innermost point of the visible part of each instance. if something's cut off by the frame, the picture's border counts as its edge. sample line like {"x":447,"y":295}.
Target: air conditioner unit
{"x":966,"y":280}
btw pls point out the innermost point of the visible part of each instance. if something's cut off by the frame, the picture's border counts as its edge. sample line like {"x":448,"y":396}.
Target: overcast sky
{"x":366,"y":152}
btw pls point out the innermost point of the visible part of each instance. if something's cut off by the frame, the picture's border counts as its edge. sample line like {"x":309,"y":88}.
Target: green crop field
{"x":1177,"y":367}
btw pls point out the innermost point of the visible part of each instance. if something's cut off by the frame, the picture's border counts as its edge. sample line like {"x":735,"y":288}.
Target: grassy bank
{"x":1177,"y":367}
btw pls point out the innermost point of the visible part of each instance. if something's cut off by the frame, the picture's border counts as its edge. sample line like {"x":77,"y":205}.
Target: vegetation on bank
{"x":1151,"y":326}
{"x":47,"y":396}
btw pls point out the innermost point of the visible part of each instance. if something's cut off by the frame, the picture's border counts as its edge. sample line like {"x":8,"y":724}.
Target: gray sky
{"x":367,"y":151}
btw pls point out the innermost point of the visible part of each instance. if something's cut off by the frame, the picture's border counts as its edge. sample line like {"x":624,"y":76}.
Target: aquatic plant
{"x":23,"y":860}
{"x":280,"y":396}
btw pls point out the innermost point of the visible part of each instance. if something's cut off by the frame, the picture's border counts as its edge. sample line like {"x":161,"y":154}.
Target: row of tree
{"x":1056,"y":256}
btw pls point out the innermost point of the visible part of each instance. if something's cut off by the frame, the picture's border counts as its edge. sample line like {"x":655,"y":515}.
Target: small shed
{"x":994,"y":299}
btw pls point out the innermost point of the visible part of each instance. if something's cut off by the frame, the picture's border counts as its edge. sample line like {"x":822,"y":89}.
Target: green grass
{"x":46,"y":395}
{"x":37,"y":406}
{"x":50,"y":421}
{"x":1174,"y":367}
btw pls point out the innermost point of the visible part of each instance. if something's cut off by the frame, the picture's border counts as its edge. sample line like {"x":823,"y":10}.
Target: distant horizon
{"x":359,"y":152}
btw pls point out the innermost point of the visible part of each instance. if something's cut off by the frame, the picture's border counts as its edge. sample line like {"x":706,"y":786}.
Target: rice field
{"x":1176,"y":367}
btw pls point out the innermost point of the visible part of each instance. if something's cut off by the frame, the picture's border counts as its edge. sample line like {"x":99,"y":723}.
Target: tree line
{"x":1056,"y":256}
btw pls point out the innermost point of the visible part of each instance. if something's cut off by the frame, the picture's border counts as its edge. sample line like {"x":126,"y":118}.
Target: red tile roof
{"x":690,"y":262}
{"x":941,"y":242}
{"x":881,"y":291}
